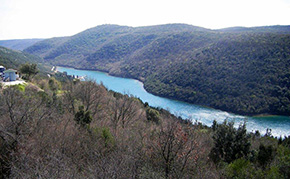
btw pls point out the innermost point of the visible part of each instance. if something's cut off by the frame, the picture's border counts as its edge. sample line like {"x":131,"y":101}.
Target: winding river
{"x":280,"y":125}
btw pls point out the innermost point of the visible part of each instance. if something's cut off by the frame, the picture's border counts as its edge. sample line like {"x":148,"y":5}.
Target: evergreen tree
{"x":83,"y":117}
{"x":29,"y":70}
{"x":265,"y":155}
{"x":230,"y":143}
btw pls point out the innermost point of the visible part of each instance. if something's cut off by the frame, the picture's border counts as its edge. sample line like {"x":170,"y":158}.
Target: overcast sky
{"x":21,"y":19}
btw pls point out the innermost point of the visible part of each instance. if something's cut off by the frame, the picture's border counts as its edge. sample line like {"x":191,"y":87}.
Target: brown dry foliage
{"x":40,"y":139}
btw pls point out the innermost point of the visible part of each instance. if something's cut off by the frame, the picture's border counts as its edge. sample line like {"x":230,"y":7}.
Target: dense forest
{"x":241,"y":70}
{"x":61,"y":128}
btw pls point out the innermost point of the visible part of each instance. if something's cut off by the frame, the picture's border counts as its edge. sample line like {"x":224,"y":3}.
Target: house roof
{"x":9,"y":71}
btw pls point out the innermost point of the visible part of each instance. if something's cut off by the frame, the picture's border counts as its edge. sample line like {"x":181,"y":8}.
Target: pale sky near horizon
{"x":20,"y":19}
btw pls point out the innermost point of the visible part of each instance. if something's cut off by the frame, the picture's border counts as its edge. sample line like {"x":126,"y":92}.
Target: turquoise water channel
{"x":280,"y":125}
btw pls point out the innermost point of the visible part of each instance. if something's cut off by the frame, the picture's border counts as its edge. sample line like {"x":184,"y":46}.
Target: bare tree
{"x":174,"y":147}
{"x":21,"y":114}
{"x":123,"y":111}
{"x":69,"y":97}
{"x":91,"y":95}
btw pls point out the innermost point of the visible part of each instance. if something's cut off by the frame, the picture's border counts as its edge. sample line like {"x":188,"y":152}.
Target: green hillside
{"x":18,"y":44}
{"x":13,"y":59}
{"x":241,"y":70}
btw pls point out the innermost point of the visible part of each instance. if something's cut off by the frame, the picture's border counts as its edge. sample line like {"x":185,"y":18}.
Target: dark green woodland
{"x":241,"y":70}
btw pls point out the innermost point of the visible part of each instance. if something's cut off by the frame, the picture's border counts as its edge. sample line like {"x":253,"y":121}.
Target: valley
{"x":57,"y":126}
{"x":239,"y":70}
{"x":280,"y":125}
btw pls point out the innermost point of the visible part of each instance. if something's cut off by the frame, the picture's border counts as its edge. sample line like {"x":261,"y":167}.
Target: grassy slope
{"x":242,"y":70}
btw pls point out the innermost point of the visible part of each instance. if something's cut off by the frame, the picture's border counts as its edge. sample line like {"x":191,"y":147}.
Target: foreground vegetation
{"x":241,"y":70}
{"x":59,"y":128}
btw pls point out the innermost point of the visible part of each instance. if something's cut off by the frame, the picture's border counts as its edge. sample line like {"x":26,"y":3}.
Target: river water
{"x":280,"y":125}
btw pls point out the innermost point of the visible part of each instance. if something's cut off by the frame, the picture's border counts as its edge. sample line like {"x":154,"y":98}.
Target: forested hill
{"x":13,"y":59}
{"x":264,"y":29}
{"x":18,"y":44}
{"x":241,"y":70}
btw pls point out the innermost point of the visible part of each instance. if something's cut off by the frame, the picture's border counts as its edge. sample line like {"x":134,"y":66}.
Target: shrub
{"x":230,"y":143}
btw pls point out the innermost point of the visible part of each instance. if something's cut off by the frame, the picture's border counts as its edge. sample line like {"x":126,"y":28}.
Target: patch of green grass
{"x":20,"y":87}
{"x":59,"y":92}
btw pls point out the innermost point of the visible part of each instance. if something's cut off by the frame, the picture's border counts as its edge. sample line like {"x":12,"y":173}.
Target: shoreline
{"x":163,"y":96}
{"x":268,"y":116}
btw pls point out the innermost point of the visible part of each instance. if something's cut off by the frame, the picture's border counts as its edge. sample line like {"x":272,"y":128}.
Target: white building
{"x":10,"y":75}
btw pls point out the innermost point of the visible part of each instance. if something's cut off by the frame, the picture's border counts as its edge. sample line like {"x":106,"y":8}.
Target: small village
{"x":9,"y":77}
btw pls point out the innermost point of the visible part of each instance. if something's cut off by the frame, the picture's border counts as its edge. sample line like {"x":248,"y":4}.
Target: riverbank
{"x":85,"y":130}
{"x":280,"y":125}
{"x":67,"y":66}
{"x":234,"y":112}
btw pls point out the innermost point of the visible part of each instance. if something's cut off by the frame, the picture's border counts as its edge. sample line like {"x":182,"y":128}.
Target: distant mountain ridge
{"x":18,"y":44}
{"x":281,"y":29}
{"x":241,"y":70}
